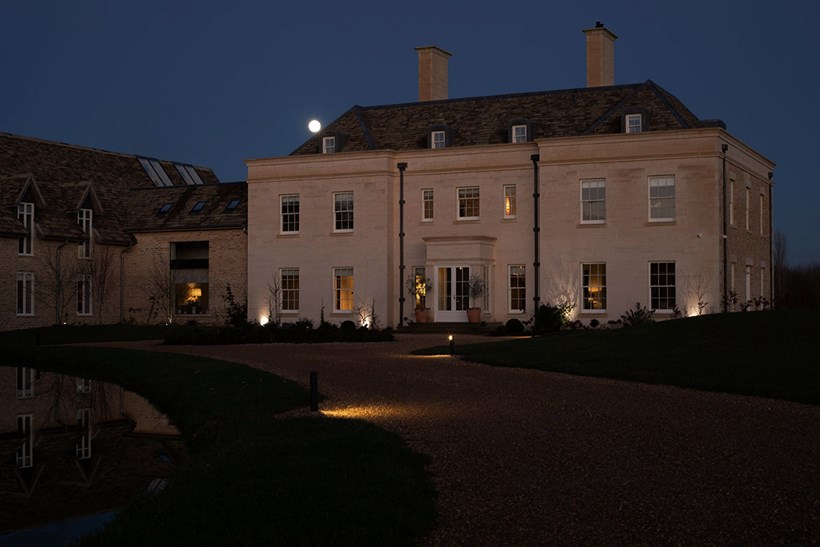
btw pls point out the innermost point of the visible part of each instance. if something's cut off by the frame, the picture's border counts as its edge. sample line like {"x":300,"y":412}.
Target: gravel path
{"x":523,"y":457}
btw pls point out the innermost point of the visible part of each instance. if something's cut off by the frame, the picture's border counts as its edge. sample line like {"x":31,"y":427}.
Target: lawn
{"x":769,"y":354}
{"x":253,"y":478}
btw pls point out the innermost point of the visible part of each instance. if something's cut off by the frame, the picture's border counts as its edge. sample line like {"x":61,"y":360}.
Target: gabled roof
{"x":486,"y":120}
{"x":144,"y":213}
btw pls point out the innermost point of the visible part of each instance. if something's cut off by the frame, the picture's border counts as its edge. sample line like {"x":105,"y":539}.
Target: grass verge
{"x":768,"y":354}
{"x":253,"y":478}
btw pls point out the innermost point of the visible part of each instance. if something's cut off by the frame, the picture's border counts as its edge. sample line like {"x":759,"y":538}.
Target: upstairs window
{"x":232,"y":205}
{"x":468,"y":203}
{"x":519,"y":133}
{"x":662,"y":198}
{"x":25,"y":213}
{"x":427,"y":205}
{"x":509,"y":201}
{"x":25,"y":382}
{"x":328,"y":145}
{"x":290,"y":214}
{"x":343,"y":212}
{"x":84,"y":219}
{"x":165,"y":208}
{"x":198,"y":206}
{"x":633,"y":123}
{"x":593,"y":201}
{"x":438,"y":139}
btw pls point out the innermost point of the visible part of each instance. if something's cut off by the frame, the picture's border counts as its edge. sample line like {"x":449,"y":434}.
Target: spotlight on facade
{"x":263,"y":320}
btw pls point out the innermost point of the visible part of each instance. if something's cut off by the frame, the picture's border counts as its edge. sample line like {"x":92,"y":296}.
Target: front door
{"x":452,"y":294}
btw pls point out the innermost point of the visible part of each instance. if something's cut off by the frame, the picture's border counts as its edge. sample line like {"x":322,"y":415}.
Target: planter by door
{"x":423,"y":316}
{"x":473,"y":315}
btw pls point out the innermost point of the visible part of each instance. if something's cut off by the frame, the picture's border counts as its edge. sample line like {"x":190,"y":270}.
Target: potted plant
{"x":476,"y":290}
{"x":418,"y":286}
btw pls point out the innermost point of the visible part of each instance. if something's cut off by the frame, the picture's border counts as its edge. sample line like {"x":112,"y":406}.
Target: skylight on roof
{"x":184,"y":173}
{"x":198,"y":206}
{"x":155,"y":172}
{"x":165,"y":208}
{"x":232,"y":205}
{"x":194,"y":175}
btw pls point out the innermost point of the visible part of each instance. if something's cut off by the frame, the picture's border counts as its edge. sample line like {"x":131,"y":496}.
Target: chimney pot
{"x":600,"y":56}
{"x":432,"y":73}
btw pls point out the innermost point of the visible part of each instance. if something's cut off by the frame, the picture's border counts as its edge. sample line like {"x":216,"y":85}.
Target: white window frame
{"x":462,"y":197}
{"x":661,"y":181}
{"x":84,"y":294}
{"x":342,"y":216}
{"x":748,"y":282}
{"x":85,"y":220}
{"x":589,"y":201}
{"x":588,"y":302}
{"x":289,"y":218}
{"x":290,"y":294}
{"x":512,"y":287}
{"x":25,"y":244}
{"x":427,"y":205}
{"x":83,"y":385}
{"x":84,"y":422}
{"x":25,"y":382}
{"x":636,"y":127}
{"x":341,"y":293}
{"x":508,"y":202}
{"x":519,"y":133}
{"x":661,"y":286}
{"x":25,"y":453}
{"x":438,"y":139}
{"x":27,"y":280}
{"x":328,"y":145}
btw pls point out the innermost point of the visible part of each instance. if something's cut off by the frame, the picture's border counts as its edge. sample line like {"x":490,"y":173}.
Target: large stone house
{"x":91,"y":236}
{"x":600,"y":198}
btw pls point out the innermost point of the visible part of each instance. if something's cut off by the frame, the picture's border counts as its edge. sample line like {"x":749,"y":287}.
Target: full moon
{"x":314,"y":126}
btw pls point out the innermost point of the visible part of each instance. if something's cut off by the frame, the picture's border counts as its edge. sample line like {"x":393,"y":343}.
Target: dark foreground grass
{"x":75,"y":334}
{"x":769,"y":354}
{"x":252,"y":478}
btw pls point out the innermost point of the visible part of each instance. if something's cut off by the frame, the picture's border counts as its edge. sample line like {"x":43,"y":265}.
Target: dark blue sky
{"x":214,"y":82}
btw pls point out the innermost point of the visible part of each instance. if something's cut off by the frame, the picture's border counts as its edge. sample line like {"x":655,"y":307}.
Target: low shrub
{"x":301,"y":331}
{"x":550,"y":318}
{"x":637,"y":316}
{"x":514,"y":326}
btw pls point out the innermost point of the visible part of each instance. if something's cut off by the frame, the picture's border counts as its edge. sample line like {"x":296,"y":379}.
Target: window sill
{"x":509,"y":219}
{"x":341,"y":232}
{"x":591,"y":313}
{"x":467,"y":220}
{"x":288,"y":234}
{"x":591,"y":224}
{"x":670,"y":222}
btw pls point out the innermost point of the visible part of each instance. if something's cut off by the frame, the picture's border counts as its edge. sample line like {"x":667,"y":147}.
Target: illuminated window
{"x":519,"y":133}
{"x":343,"y":212}
{"x":634,"y":123}
{"x":662,"y":286}
{"x":438,"y":139}
{"x":290,"y":289}
{"x":189,"y":275}
{"x":594,"y":286}
{"x":25,"y":381}
{"x":25,"y":213}
{"x":343,"y":289}
{"x":328,"y":145}
{"x":290,"y":214}
{"x":509,"y":201}
{"x":593,"y":201}
{"x":468,"y":203}
{"x":24,"y":457}
{"x":662,"y":198}
{"x":427,"y":204}
{"x":84,"y":294}
{"x":84,"y":423}
{"x":25,"y":293}
{"x":518,"y":289}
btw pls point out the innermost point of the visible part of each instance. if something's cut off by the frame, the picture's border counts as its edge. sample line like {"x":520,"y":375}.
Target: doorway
{"x":452,"y":294}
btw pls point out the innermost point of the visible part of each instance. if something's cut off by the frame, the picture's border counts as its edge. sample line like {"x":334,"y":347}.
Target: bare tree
{"x":697,"y":287}
{"x":779,"y":268}
{"x":58,"y":282}
{"x":101,"y":270}
{"x":274,"y":300}
{"x":159,"y":286}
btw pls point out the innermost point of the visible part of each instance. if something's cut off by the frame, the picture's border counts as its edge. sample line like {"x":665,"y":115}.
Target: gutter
{"x":402,"y":166}
{"x":536,"y":232}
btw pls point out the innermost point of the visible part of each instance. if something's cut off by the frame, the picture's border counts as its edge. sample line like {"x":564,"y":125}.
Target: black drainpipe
{"x":402,"y":166}
{"x":536,"y":231}
{"x":724,"y":148}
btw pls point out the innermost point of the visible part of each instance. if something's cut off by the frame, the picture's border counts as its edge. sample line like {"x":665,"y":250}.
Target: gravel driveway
{"x":523,"y":457}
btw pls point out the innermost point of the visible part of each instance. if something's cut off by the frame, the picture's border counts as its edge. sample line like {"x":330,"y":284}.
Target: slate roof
{"x":486,"y":120}
{"x":144,"y":208}
{"x":64,"y":175}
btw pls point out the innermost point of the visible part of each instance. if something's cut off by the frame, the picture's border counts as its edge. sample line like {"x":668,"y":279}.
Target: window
{"x":509,"y":201}
{"x":343,"y":211}
{"x":189,"y":275}
{"x":518,"y":289}
{"x":232,"y":205}
{"x":427,"y":205}
{"x":25,"y":293}
{"x":762,"y":286}
{"x":290,"y":214}
{"x":748,"y":283}
{"x":634,"y":123}
{"x":593,"y":201}
{"x":25,"y":213}
{"x":84,"y":294}
{"x":438,"y":139}
{"x":468,"y":203}
{"x":662,"y":286}
{"x":25,"y":381}
{"x":84,"y":423}
{"x":25,"y":451}
{"x":84,"y":220}
{"x":290,"y":289}
{"x":519,"y":133}
{"x":198,"y":206}
{"x":662,"y":198}
{"x":420,"y":288}
{"x":343,"y":289}
{"x":83,"y":385}
{"x":731,"y":203}
{"x":328,"y":145}
{"x":165,"y":208}
{"x":594,"y":286}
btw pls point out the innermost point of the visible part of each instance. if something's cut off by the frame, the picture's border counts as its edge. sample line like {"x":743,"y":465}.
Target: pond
{"x":72,"y":447}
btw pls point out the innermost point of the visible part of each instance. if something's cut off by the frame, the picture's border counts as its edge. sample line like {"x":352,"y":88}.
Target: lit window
{"x":519,"y":133}
{"x":593,"y":201}
{"x":25,"y":293}
{"x":438,"y":139}
{"x":232,"y":205}
{"x":25,"y":451}
{"x":165,"y":208}
{"x":343,"y":289}
{"x":189,"y":270}
{"x":662,"y":286}
{"x":328,"y":145}
{"x":198,"y":206}
{"x":661,"y":198}
{"x":509,"y":201}
{"x":25,"y":213}
{"x":25,"y":381}
{"x":84,"y":423}
{"x":84,"y":217}
{"x":343,"y":211}
{"x":468,"y":203}
{"x":594,"y":286}
{"x":84,"y":294}
{"x":290,"y":289}
{"x":290,"y":214}
{"x":427,"y":204}
{"x":518,"y":289}
{"x":634,"y":123}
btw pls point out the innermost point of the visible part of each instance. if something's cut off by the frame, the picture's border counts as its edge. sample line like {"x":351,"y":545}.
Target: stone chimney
{"x":600,"y":56}
{"x":432,"y":73}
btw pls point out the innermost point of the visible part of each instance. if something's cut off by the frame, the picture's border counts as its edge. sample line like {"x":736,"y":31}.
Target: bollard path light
{"x":452,"y":344}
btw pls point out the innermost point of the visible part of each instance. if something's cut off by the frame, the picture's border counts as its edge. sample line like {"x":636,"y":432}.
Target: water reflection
{"x":72,"y":446}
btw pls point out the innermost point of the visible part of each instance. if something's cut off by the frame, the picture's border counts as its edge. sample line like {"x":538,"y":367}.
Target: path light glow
{"x":315,"y":126}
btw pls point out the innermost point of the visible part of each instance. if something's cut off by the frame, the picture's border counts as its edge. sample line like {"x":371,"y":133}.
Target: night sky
{"x":214,"y":83}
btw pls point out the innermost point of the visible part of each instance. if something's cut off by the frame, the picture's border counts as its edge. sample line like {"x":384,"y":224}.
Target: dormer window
{"x":519,"y":133}
{"x":328,"y":145}
{"x":84,"y":218}
{"x":633,"y":123}
{"x":438,"y":139}
{"x":25,"y":214}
